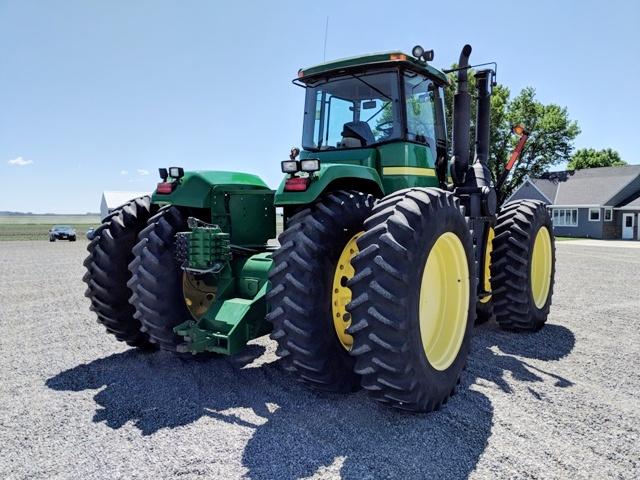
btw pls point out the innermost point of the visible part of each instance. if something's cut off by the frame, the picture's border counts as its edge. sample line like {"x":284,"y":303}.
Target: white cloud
{"x":124,"y":172}
{"x":142,"y":171}
{"x":20,"y":162}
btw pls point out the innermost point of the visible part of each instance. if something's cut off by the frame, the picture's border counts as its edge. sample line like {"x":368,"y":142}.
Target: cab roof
{"x":373,"y":59}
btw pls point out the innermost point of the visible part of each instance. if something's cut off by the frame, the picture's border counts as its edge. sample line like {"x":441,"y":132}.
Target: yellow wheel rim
{"x":444,"y":301}
{"x":198,"y":296}
{"x":541,"y":260}
{"x":487,"y":265}
{"x":341,"y":295}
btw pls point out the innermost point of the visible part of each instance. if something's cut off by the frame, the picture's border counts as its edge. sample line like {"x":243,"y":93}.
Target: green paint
{"x":195,"y":188}
{"x":373,"y":59}
{"x":224,"y":196}
{"x":238,"y":313}
{"x":328,"y":174}
{"x":407,"y":154}
{"x":208,"y":246}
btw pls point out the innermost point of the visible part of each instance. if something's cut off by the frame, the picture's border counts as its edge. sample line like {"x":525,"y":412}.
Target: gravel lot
{"x":74,"y":403}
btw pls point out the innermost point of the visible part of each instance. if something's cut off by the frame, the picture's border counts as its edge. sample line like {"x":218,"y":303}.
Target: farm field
{"x":36,"y":227}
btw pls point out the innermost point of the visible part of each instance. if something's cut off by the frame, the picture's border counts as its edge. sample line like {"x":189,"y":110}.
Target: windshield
{"x":352,"y":111}
{"x":62,"y":228}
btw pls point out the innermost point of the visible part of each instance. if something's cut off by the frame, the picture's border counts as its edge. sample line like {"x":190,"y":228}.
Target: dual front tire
{"x":410,"y":304}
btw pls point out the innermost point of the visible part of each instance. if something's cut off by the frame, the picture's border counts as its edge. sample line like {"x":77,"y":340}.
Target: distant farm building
{"x":112,"y":200}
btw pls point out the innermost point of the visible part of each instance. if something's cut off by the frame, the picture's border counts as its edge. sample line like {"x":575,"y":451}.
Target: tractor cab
{"x":371,"y":103}
{"x":383,"y":112}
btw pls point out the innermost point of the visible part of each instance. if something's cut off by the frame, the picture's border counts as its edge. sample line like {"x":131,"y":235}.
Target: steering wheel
{"x":386,"y":127}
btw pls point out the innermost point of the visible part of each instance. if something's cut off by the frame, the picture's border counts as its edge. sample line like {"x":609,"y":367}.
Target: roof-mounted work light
{"x":422,"y":54}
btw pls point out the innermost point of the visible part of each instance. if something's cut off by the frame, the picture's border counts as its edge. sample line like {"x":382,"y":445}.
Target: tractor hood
{"x":195,"y":188}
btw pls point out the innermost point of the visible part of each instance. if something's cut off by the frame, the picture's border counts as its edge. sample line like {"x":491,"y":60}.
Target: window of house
{"x":594,"y":214}
{"x":608,"y":214}
{"x":565,"y":217}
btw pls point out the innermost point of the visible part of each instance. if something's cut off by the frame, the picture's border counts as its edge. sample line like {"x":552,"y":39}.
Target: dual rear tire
{"x":133,"y":280}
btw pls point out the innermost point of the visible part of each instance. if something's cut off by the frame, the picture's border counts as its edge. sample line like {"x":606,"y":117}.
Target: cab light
{"x":289,"y":166}
{"x":398,"y":57}
{"x":296,"y":184}
{"x":164,"y":187}
{"x":176,"y":172}
{"x":310,"y":165}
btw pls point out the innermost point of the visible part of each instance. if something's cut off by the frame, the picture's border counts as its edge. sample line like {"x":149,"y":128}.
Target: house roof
{"x":546,"y":186}
{"x":632,"y":202}
{"x":594,"y":186}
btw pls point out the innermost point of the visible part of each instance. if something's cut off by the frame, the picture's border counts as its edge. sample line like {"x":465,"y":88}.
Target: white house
{"x":111,"y":200}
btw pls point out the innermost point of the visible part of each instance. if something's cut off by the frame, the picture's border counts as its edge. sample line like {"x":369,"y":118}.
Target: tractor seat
{"x":356,"y":134}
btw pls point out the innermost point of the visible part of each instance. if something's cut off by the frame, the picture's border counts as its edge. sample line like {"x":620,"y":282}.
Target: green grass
{"x":24,"y":231}
{"x":566,"y":239}
{"x":36,"y":227}
{"x":50,"y":220}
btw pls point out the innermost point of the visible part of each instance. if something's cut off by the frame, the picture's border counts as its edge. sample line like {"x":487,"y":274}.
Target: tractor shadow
{"x":298,"y":432}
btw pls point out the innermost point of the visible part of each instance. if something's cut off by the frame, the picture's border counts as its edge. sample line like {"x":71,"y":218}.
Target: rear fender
{"x":332,"y":177}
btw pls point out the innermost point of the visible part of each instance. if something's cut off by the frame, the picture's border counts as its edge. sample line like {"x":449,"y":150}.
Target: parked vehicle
{"x":62,"y":232}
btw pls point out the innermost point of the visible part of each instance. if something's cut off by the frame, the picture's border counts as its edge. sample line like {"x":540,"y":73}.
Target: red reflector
{"x":296,"y":184}
{"x":164,"y":187}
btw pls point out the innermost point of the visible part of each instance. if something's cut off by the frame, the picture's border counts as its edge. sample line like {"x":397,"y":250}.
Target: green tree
{"x":551,"y":136}
{"x":591,"y":158}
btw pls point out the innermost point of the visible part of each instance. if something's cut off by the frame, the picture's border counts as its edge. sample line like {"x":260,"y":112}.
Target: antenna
{"x":326,"y":34}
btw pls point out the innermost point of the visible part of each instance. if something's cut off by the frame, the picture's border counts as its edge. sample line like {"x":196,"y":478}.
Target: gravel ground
{"x":74,"y":403}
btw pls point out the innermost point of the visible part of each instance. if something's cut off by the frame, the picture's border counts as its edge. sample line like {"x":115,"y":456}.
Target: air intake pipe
{"x":461,"y":120}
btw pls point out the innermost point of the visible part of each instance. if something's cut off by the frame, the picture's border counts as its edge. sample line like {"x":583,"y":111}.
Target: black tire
{"x":301,"y":288}
{"x":484,"y":309}
{"x":390,"y":356}
{"x":72,"y":239}
{"x":107,"y":274}
{"x":156,"y":279}
{"x":514,"y":305}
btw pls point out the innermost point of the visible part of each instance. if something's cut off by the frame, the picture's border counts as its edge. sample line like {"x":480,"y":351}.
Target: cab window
{"x":420,"y":96}
{"x":352,"y":111}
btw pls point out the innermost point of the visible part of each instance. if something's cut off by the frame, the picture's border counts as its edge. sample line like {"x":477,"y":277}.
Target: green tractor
{"x":392,"y":247}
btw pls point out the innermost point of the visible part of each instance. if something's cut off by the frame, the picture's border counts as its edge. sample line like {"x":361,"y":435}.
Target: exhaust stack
{"x":461,"y":120}
{"x":483,"y":119}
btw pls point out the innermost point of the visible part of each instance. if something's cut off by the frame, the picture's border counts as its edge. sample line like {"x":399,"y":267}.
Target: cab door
{"x":412,"y":162}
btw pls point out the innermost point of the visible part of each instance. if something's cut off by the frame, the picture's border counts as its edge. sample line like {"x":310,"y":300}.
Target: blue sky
{"x":96,"y":95}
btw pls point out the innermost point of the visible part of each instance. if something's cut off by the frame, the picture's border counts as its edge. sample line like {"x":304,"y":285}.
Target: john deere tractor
{"x":394,"y":242}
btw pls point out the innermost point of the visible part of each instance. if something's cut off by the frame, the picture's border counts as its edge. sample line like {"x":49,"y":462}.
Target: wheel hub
{"x":444,"y":301}
{"x":487,"y":265}
{"x":198,"y":295}
{"x":541,"y":267}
